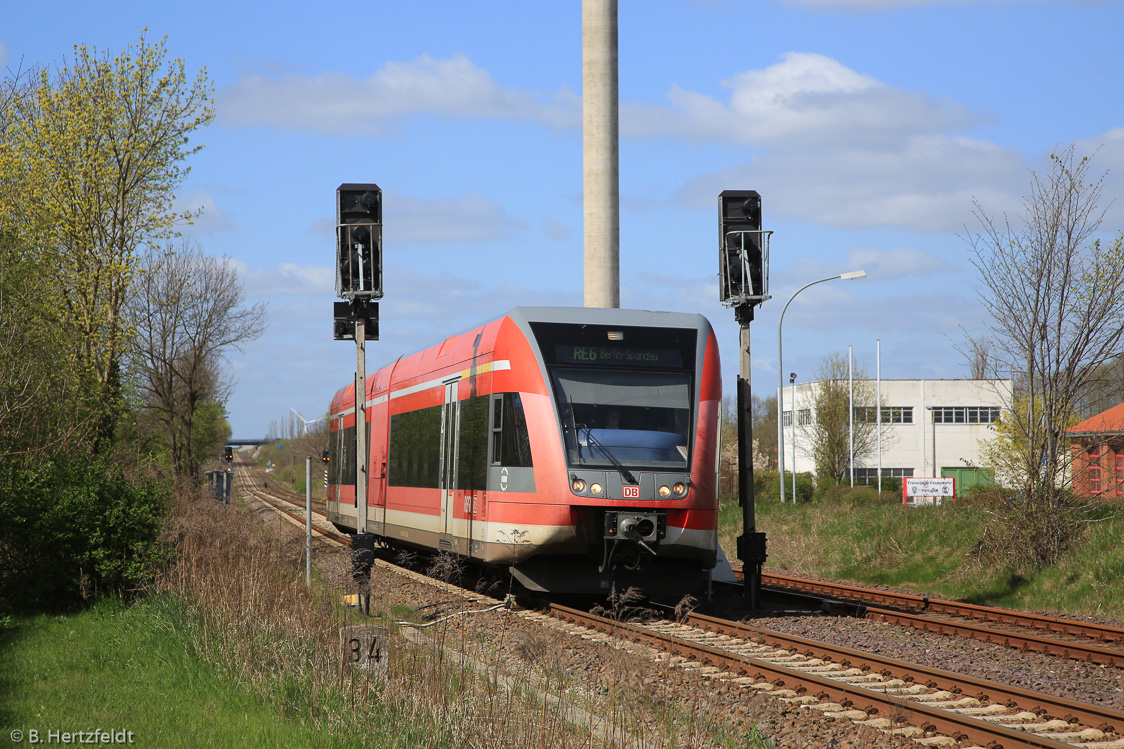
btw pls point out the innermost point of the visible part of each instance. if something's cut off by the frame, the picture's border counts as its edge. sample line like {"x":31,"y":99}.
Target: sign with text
{"x":365,"y":647}
{"x":913,"y":488}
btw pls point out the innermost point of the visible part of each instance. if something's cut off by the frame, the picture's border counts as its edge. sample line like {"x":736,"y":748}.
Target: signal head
{"x":359,"y":241}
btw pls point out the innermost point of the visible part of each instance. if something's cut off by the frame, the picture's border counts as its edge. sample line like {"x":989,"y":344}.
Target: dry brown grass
{"x":252,"y":615}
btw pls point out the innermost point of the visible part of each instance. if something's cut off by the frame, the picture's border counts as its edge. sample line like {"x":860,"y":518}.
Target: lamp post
{"x":850,"y":275}
{"x":933,"y":421}
{"x":792,"y":382}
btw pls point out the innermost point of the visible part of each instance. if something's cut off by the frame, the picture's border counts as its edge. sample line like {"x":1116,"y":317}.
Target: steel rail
{"x":932,"y":719}
{"x":298,"y":517}
{"x":1090,"y":630}
{"x":1078,"y":651}
{"x":1106,"y":719}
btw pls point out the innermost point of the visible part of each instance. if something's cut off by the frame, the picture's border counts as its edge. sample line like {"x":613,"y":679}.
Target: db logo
{"x":631,"y":492}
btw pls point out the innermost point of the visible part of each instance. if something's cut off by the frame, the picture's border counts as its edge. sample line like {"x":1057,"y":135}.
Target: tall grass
{"x":873,"y":539}
{"x":131,"y":668}
{"x":251,"y":615}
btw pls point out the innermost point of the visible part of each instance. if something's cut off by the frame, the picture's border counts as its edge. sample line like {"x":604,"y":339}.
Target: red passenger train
{"x":574,"y":446}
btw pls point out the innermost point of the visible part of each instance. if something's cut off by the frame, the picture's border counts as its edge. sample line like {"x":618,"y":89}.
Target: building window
{"x":965,"y":414}
{"x":869,"y":476}
{"x":1120,"y":475}
{"x":897,"y":415}
{"x":890,"y":414}
{"x":1094,"y":473}
{"x":803,"y":418}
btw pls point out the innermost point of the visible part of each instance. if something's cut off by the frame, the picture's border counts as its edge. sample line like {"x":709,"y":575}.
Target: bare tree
{"x":187,"y":311}
{"x":1055,"y":294}
{"x":829,"y":430}
{"x":980,"y":358}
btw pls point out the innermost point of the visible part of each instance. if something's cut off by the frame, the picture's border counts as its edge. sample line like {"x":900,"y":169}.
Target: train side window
{"x":342,"y":460}
{"x":497,"y":428}
{"x":414,"y":457}
{"x":511,"y":443}
{"x":472,"y":462}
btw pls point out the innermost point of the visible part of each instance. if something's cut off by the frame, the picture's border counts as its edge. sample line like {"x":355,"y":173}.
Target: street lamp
{"x":848,"y":276}
{"x":933,"y":420}
{"x":792,"y":382}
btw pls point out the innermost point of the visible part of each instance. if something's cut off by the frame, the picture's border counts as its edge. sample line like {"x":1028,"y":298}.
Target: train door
{"x":449,"y":442}
{"x":379,"y":413}
{"x":335,"y":455}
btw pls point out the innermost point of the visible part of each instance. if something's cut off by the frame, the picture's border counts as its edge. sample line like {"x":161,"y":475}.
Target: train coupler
{"x":630,"y":537}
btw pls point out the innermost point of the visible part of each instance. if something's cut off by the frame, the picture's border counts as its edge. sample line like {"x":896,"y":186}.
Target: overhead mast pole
{"x":600,"y":153}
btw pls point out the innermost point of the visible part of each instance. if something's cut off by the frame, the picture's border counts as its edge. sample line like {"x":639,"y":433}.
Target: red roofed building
{"x":1098,"y":454}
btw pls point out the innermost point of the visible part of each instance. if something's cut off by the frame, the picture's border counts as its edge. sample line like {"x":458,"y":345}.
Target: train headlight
{"x":679,"y":489}
{"x":595,"y":488}
{"x":665,"y":492}
{"x":578,"y":486}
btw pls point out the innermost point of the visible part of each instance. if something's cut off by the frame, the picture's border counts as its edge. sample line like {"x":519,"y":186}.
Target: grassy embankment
{"x":232,"y":649}
{"x":935,"y":550}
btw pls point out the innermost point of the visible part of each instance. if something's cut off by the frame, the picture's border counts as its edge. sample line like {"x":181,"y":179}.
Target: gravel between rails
{"x":599,"y":666}
{"x":1084,"y":682}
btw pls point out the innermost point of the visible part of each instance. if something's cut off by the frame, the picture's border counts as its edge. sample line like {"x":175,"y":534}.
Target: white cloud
{"x":211,"y":220}
{"x":1107,"y":154}
{"x":469,"y":218}
{"x":340,"y":103}
{"x":922,"y":183}
{"x":411,"y":220}
{"x":903,"y":262}
{"x":555,"y":230}
{"x":805,"y":99}
{"x":862,"y":5}
{"x":287,"y":279}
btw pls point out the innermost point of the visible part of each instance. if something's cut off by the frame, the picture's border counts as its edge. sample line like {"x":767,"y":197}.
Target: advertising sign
{"x":927,"y":488}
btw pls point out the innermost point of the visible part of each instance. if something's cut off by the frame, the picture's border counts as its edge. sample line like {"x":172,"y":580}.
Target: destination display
{"x":622,"y":356}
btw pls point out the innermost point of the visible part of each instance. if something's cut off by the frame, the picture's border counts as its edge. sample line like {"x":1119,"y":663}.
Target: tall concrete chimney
{"x":600,"y":134}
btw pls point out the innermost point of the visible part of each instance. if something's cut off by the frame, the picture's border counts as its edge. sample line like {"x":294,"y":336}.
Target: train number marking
{"x":631,"y":492}
{"x":364,"y":648}
{"x":503,"y":479}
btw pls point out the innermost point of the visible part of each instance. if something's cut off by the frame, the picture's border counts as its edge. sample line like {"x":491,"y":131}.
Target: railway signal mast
{"x":359,"y":281}
{"x":743,"y":275}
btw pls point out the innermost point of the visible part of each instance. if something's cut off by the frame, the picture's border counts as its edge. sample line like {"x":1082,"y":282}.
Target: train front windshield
{"x":625,"y":395}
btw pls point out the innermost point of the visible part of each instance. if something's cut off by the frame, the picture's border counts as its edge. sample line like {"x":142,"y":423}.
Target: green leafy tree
{"x":1053,"y":285}
{"x":89,"y":164}
{"x":829,"y":430}
{"x":37,"y":396}
{"x":77,"y":527}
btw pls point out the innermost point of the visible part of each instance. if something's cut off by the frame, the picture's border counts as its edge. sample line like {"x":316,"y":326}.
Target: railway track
{"x":1064,"y":638}
{"x":883,"y":693}
{"x":929,"y":704}
{"x":1082,"y":641}
{"x":287,"y":505}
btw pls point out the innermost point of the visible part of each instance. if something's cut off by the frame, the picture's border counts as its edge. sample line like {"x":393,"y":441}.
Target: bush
{"x":1029,"y":533}
{"x":766,"y":486}
{"x":864,"y":495}
{"x":75,"y":528}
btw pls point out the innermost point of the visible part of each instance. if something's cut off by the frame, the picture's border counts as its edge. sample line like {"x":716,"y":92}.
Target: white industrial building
{"x":930,"y":428}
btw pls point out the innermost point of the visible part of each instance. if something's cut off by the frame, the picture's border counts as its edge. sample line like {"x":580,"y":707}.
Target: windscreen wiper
{"x":624,"y":472}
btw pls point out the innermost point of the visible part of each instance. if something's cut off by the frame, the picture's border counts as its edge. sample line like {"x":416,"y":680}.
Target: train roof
{"x":607,"y":316}
{"x":524,"y":316}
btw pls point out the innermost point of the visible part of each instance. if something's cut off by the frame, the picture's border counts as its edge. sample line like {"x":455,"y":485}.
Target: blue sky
{"x":868,"y":127}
